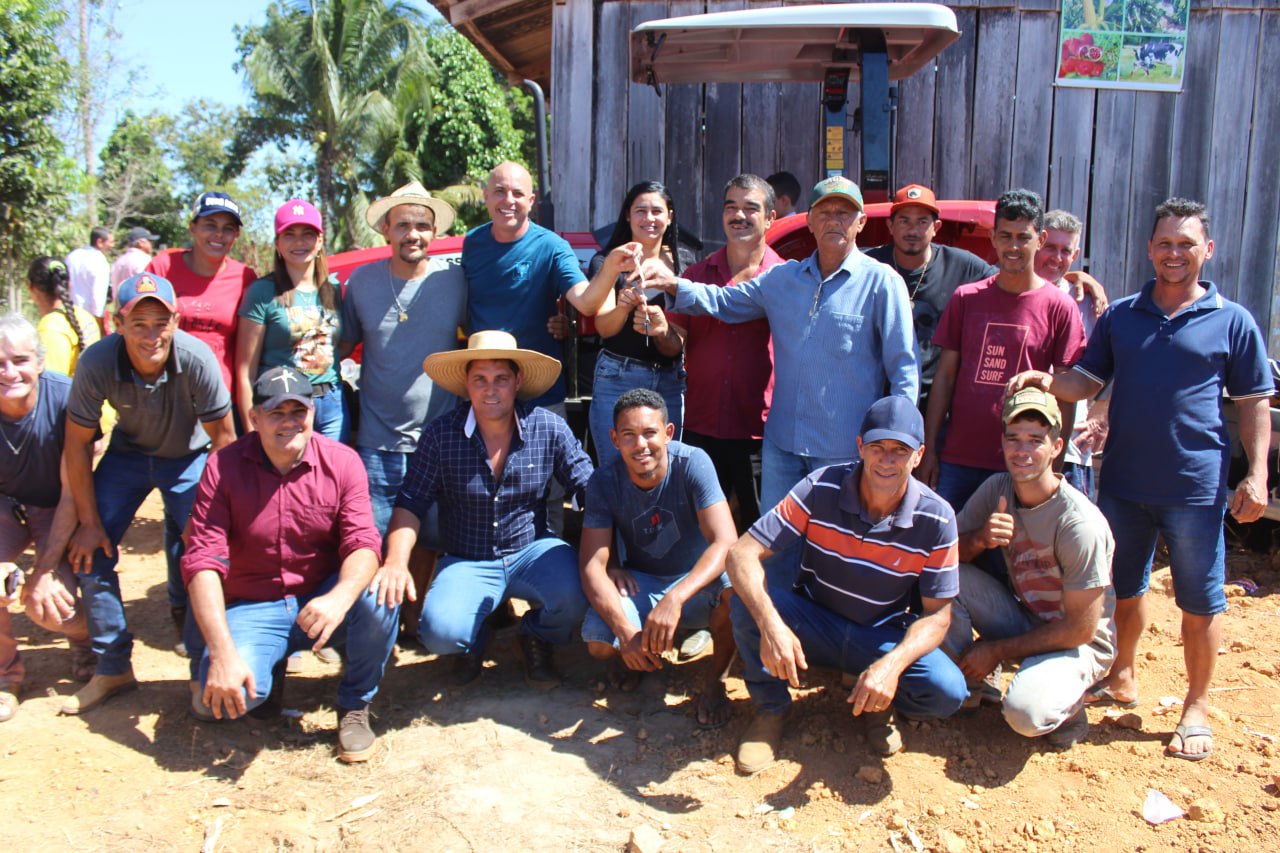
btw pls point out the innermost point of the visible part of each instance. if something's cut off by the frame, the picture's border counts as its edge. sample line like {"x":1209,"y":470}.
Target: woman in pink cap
{"x":291,"y":317}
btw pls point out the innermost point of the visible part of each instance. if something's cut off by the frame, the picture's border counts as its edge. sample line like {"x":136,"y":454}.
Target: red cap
{"x":917,"y":195}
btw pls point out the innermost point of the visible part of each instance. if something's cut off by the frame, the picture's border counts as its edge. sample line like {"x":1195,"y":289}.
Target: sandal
{"x":621,"y":677}
{"x":1100,"y":696}
{"x":712,"y":709}
{"x":1182,"y":732}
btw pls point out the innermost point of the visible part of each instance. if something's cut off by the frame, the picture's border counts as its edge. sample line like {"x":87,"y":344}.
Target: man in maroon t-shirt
{"x":730,"y":365}
{"x":990,"y":331}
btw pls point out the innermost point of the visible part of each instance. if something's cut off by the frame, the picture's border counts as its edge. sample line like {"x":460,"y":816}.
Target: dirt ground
{"x":501,"y":767}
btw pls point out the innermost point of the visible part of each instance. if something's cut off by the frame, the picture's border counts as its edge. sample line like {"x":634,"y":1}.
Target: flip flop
{"x":1184,"y":732}
{"x":709,"y":707}
{"x":621,"y":677}
{"x":1100,"y":696}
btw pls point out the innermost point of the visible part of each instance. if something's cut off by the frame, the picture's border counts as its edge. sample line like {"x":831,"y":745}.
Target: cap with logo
{"x":298,"y":212}
{"x":1032,"y":399}
{"x":895,"y":418}
{"x":142,"y":286}
{"x":279,"y":384}
{"x":836,"y":186}
{"x":207,"y":204}
{"x":920,"y":196}
{"x":133,"y":235}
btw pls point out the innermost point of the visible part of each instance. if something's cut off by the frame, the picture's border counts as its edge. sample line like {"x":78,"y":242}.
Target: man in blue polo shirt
{"x":1172,"y":349}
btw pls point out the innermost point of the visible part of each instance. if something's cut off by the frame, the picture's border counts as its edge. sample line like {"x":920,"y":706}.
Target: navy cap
{"x":895,"y":418}
{"x":281,"y":383}
{"x":210,"y":203}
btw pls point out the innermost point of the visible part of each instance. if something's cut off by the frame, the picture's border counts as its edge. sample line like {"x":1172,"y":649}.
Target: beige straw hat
{"x":538,"y":372}
{"x":411,"y":193}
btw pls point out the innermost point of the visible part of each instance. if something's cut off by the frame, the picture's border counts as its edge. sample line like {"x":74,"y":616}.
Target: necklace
{"x":401,"y":313}
{"x":923,"y":272}
{"x":24,"y":435}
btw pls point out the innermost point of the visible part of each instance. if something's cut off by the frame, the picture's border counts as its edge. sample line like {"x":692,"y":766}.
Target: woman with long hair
{"x":65,"y":329}
{"x":291,"y":317}
{"x":643,"y":345}
{"x":36,"y":506}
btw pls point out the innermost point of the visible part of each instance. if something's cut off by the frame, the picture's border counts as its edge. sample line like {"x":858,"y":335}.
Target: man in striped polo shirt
{"x":870,"y":537}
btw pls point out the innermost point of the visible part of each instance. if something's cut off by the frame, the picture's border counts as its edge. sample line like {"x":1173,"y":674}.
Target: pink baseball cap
{"x":298,"y":212}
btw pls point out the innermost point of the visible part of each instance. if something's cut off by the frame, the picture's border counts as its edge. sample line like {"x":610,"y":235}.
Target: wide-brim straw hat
{"x":412,"y":193}
{"x":538,"y":372}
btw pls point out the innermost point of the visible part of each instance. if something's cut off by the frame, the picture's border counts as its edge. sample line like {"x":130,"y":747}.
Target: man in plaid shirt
{"x":489,"y":467}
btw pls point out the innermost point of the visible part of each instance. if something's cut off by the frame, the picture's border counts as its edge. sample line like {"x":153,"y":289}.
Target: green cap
{"x":1032,"y":399}
{"x":836,"y":186}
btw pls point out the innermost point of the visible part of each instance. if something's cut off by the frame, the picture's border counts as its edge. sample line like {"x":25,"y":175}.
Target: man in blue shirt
{"x":842,"y":334}
{"x":664,"y":500}
{"x":488,"y":468}
{"x":1172,"y":349}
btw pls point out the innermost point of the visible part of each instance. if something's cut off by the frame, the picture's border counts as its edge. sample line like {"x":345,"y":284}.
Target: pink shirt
{"x":729,"y":365}
{"x":999,"y":334}
{"x":132,"y":262}
{"x":270,"y":535}
{"x":208,"y":304}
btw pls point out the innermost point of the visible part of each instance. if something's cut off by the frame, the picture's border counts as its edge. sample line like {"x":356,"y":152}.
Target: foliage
{"x":34,"y":178}
{"x":135,"y":183}
{"x":333,"y":75}
{"x":1150,"y":16}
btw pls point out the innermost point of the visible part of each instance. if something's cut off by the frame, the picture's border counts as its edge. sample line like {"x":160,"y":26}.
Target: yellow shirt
{"x":60,"y":351}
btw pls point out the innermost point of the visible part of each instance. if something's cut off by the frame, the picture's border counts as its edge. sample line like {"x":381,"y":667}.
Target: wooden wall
{"x":985,"y":118}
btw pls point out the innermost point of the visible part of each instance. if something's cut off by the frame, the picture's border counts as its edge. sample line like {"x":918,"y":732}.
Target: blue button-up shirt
{"x":840,"y":343}
{"x":481,"y":517}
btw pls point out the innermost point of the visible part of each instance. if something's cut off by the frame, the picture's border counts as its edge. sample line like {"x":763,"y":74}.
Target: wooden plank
{"x":571,"y":139}
{"x":954,"y":99}
{"x":1033,"y":101}
{"x":684,"y":163}
{"x":761,"y":108}
{"x":1260,"y":238}
{"x":1071,"y":153}
{"x":645,"y":132}
{"x":993,"y":102}
{"x":609,"y":183}
{"x":1039,"y":6}
{"x":800,"y":136}
{"x":721,"y":143}
{"x":913,"y":160}
{"x":1228,"y":170}
{"x":1192,"y":129}
{"x":469,"y":10}
{"x":1150,"y":168}
{"x":1109,"y":216}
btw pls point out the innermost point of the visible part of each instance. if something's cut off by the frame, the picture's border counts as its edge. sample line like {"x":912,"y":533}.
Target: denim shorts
{"x":695,"y":614}
{"x":1197,"y":550}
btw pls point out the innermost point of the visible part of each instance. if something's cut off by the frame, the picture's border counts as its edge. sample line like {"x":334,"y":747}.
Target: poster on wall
{"x":1123,"y":44}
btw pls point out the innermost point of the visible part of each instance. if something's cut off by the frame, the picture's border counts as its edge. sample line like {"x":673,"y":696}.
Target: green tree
{"x":334,"y":75}
{"x":34,"y":178}
{"x":135,"y":183}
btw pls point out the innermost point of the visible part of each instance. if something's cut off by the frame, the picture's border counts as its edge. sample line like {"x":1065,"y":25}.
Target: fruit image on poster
{"x":1123,"y":44}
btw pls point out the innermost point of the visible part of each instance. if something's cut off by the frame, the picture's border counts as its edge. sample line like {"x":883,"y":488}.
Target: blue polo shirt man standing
{"x":842,"y":335}
{"x":1172,"y":350}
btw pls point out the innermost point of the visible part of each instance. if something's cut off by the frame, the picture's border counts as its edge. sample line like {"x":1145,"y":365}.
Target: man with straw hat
{"x":488,"y":467}
{"x":402,"y":309}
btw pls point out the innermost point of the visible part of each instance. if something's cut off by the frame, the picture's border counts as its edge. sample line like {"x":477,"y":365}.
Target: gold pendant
{"x":404,"y":315}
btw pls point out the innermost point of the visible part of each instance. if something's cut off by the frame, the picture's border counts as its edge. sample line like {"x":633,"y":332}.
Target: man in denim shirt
{"x":842,"y":337}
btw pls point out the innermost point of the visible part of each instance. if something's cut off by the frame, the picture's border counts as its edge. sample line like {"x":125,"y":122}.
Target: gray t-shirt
{"x":396,"y":396}
{"x":1062,"y":544}
{"x":659,"y":527}
{"x":160,"y":419}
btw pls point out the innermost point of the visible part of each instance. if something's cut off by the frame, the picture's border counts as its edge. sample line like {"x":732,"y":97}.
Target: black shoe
{"x":466,"y":668}
{"x":539,"y":672}
{"x":274,"y":704}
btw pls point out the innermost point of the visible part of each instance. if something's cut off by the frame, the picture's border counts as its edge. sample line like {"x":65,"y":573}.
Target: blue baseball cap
{"x":210,"y":203}
{"x":146,"y":285}
{"x":895,"y":418}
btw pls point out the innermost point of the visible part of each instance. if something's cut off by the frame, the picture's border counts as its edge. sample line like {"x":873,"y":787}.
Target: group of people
{"x":860,"y":461}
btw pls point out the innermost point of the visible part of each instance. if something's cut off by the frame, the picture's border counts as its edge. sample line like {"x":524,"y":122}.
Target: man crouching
{"x":870,"y":536}
{"x":664,"y":500}
{"x":282,"y":551}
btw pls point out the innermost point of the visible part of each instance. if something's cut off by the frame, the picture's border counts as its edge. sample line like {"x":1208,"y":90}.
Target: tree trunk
{"x":84,"y":97}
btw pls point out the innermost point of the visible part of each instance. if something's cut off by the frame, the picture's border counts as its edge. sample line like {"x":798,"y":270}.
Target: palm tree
{"x":336,"y":75}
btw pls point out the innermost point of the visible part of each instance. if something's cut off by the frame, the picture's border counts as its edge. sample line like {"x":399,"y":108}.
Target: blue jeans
{"x":650,"y":589}
{"x":332,"y":419}
{"x":266,"y":632}
{"x":1049,"y":687}
{"x":1081,"y":477}
{"x":386,"y":470}
{"x":933,"y":686}
{"x":121,"y":483}
{"x":1197,"y":550}
{"x":465,"y":592}
{"x":780,"y":470}
{"x":615,"y":376}
{"x":957,"y":483}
